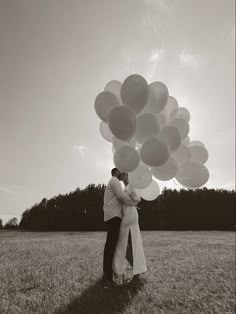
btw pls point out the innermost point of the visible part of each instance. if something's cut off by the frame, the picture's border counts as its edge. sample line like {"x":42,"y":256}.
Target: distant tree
{"x":11,"y":223}
{"x":82,"y":209}
{"x":1,"y":223}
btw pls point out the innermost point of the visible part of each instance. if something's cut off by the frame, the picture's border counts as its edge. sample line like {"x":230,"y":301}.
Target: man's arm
{"x":121,"y":194}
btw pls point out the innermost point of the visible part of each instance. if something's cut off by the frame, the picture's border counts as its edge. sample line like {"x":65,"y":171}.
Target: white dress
{"x":129,"y":223}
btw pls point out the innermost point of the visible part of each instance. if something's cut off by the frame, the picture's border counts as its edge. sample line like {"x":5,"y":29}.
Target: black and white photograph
{"x":117,"y":157}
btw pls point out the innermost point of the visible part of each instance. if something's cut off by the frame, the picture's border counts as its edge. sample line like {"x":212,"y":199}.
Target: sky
{"x":56,"y":56}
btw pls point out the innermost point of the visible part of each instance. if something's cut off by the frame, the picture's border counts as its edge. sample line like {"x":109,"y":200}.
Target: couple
{"x":123,"y":236}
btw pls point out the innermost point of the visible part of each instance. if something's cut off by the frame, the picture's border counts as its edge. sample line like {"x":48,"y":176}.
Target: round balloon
{"x":147,"y":126}
{"x":171,"y":108}
{"x":171,"y":136}
{"x":141,"y":177}
{"x":192,"y":174}
{"x":161,"y":119}
{"x":105,"y":131}
{"x":181,"y":125}
{"x":183,"y":113}
{"x":167,"y":171}
{"x":135,"y":93}
{"x":117,"y":143}
{"x":181,"y":155}
{"x":186,"y":141}
{"x":154,"y":152}
{"x":198,"y":143}
{"x":126,"y":159}
{"x":198,"y":153}
{"x":105,"y":102}
{"x":122,"y":123}
{"x":151,"y":192}
{"x":158,"y":96}
{"x":114,"y":87}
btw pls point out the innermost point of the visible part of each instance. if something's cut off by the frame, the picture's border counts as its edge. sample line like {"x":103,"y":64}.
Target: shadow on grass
{"x":97,"y":300}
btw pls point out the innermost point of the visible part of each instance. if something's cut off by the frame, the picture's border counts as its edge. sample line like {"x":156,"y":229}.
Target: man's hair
{"x":114,"y":171}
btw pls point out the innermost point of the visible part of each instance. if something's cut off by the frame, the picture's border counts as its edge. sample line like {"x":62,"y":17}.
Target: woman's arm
{"x":134,"y":196}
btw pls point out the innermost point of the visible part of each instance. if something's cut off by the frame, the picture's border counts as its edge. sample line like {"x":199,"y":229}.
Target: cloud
{"x":155,"y":57}
{"x":187,"y":59}
{"x":15,"y":190}
{"x":80,"y":149}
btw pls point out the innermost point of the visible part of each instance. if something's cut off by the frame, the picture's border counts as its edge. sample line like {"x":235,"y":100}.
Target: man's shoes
{"x":108,"y":282}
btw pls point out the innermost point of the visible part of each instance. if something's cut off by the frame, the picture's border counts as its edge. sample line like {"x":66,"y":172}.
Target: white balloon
{"x":198,"y":153}
{"x":105,"y":131}
{"x":181,"y":155}
{"x":122,"y":123}
{"x":158,"y":96}
{"x":154,"y":152}
{"x":126,"y":159}
{"x":192,"y":174}
{"x":114,"y":87}
{"x":151,"y":192}
{"x":147,"y":126}
{"x":186,"y":141}
{"x":141,"y":177}
{"x":198,"y":143}
{"x":183,"y":113}
{"x":167,"y":171}
{"x":135,"y":93}
{"x":171,"y":108}
{"x":105,"y":102}
{"x":171,"y":136}
{"x":161,"y":118}
{"x":117,"y":143}
{"x":181,"y":125}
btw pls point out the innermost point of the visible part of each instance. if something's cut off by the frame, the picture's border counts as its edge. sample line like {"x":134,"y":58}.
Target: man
{"x":114,"y":198}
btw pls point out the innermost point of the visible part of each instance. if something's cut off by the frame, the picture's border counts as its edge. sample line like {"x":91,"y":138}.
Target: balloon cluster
{"x":149,"y":135}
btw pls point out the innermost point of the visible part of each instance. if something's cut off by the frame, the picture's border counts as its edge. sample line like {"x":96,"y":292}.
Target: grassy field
{"x":59,"y":272}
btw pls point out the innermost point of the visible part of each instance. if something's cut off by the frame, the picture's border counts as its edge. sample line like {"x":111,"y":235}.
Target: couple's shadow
{"x":99,"y":300}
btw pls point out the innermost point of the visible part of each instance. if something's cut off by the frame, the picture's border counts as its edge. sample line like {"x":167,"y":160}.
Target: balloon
{"x":147,"y":126}
{"x":167,"y":171}
{"x":198,"y":153}
{"x":154,"y":152}
{"x":193,"y":143}
{"x":134,"y":93}
{"x":181,"y":125}
{"x":161,"y":119}
{"x":192,"y":174}
{"x":171,"y":136}
{"x":126,"y":158}
{"x":114,"y":87}
{"x":182,"y":154}
{"x":151,"y":192}
{"x":104,"y":103}
{"x":186,"y":141}
{"x":183,"y":113}
{"x":105,"y":131}
{"x":141,"y":177}
{"x":158,"y":96}
{"x":122,"y":123}
{"x":117,"y":143}
{"x":171,"y":108}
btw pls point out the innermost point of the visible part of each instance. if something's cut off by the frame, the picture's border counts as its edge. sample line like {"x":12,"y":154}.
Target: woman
{"x":129,"y":228}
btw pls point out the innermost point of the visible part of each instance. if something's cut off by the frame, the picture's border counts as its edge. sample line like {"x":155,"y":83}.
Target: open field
{"x":59,"y":272}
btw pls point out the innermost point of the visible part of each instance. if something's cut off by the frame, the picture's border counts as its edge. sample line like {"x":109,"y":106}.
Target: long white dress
{"x":130,"y":224}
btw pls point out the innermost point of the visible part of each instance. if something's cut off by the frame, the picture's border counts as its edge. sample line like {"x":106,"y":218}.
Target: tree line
{"x":82,"y":210}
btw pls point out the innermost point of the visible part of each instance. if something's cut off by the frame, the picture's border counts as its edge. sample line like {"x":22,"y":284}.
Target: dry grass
{"x":59,"y":272}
